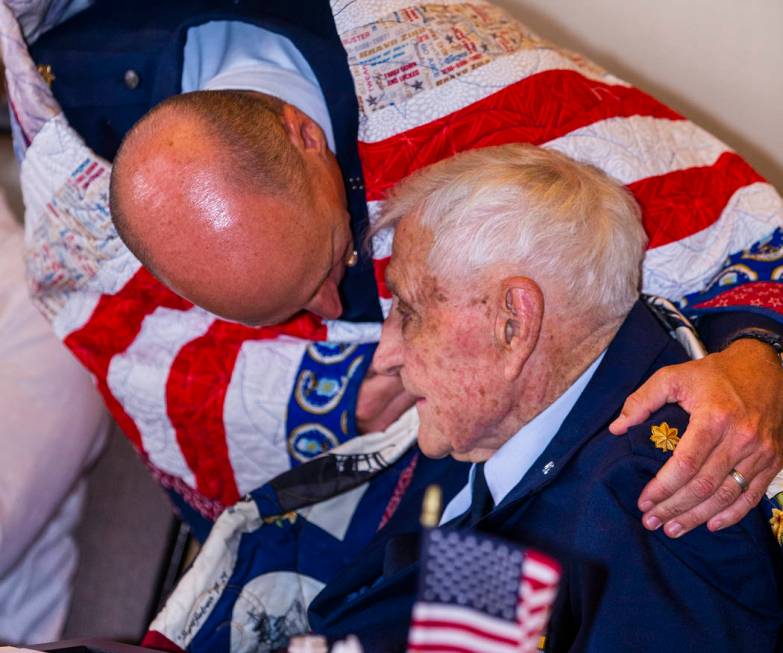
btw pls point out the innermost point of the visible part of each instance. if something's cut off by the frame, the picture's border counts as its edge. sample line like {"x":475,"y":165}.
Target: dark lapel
{"x":634,"y":349}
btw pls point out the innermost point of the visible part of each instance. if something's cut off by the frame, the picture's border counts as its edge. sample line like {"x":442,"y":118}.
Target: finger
{"x":725,"y":495}
{"x":392,"y":412}
{"x":744,"y":503}
{"x":661,"y":388}
{"x":375,"y":394}
{"x":701,"y":487}
{"x":694,"y":448}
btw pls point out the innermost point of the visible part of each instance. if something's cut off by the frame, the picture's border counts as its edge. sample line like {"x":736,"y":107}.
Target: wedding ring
{"x":741,"y":481}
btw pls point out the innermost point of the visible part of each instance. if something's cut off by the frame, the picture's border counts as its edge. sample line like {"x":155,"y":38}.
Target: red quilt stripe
{"x":155,"y":640}
{"x":113,"y":326}
{"x":761,"y":294}
{"x":379,"y":267}
{"x":196,"y":391}
{"x":535,"y":110}
{"x":684,"y":202}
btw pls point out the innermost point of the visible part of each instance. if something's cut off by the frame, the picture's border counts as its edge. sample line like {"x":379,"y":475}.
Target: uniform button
{"x":131,"y":79}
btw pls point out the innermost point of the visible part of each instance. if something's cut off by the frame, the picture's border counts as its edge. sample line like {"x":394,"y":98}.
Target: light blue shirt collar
{"x":506,"y":467}
{"x":231,"y":55}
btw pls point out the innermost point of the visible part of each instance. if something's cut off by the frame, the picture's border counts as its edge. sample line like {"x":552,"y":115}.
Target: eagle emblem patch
{"x":664,"y":437}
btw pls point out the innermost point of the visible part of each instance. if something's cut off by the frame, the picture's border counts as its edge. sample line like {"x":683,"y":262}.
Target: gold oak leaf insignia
{"x":45,"y":71}
{"x":278,"y":520}
{"x":777,"y":525}
{"x":664,"y":437}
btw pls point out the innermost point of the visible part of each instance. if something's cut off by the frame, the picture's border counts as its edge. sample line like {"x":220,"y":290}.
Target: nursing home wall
{"x":718,"y":62}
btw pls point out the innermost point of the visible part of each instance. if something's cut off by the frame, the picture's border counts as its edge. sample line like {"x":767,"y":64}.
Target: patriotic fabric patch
{"x":321,"y":411}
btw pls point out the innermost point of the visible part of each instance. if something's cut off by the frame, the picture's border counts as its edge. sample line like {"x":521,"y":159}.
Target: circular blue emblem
{"x":319,"y":395}
{"x":310,"y":440}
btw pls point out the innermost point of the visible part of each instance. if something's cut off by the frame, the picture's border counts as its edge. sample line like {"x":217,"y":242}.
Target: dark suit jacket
{"x":623,"y":588}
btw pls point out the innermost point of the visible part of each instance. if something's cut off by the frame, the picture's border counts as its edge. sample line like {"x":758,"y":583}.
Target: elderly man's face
{"x":440,"y":336}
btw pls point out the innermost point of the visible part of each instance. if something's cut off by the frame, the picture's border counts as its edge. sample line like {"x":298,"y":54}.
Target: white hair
{"x":535,"y":210}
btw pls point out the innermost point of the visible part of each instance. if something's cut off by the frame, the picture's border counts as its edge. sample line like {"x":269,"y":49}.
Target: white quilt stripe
{"x":386,"y":305}
{"x":75,"y":313}
{"x":256,"y":403}
{"x":686,"y":265}
{"x":352,"y":332}
{"x":634,"y":148}
{"x":137,"y":378}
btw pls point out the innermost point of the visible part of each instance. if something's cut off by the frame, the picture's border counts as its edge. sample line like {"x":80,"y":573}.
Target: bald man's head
{"x":234,"y":200}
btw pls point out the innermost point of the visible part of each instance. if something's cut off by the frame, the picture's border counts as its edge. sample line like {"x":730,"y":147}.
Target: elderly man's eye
{"x":405,"y":312}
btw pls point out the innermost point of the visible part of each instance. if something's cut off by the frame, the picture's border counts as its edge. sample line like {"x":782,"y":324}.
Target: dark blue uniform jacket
{"x":624,"y":588}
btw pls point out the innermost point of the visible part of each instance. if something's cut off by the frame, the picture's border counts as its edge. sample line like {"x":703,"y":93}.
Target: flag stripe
{"x":685,"y":266}
{"x":424,"y":637}
{"x":434,"y":626}
{"x":684,"y":202}
{"x":380,"y":265}
{"x":423,"y":611}
{"x":535,"y":598}
{"x":114,"y":325}
{"x":196,"y":392}
{"x":536,"y":109}
{"x":540,"y":568}
{"x":457,"y":647}
{"x":137,"y":377}
{"x":633,"y":148}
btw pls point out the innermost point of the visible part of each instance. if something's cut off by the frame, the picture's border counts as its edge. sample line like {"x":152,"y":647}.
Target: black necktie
{"x":481,"y":502}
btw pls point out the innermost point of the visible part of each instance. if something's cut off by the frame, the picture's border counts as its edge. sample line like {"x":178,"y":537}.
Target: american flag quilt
{"x":211,"y":406}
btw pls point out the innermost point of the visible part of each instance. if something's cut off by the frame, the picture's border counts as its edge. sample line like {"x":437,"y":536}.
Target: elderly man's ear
{"x":518,"y":323}
{"x":304,"y":133}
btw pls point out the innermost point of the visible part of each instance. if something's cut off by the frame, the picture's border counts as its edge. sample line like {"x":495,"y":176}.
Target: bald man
{"x":233,"y":195}
{"x":248,"y":182}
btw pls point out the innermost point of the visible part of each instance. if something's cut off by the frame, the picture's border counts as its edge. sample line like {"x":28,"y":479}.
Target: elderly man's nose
{"x":388,"y":355}
{"x":326,"y":301}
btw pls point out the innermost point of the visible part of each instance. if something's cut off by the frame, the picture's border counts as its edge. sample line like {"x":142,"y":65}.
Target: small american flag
{"x":480,"y":594}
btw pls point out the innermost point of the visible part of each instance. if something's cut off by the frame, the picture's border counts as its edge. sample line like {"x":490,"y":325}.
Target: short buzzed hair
{"x":530,"y":208}
{"x":253,"y":153}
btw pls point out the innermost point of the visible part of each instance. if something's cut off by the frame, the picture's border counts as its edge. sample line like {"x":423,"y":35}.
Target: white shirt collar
{"x":506,"y":467}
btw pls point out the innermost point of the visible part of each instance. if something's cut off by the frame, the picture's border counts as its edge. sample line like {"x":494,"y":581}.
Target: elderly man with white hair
{"x":517,"y":325}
